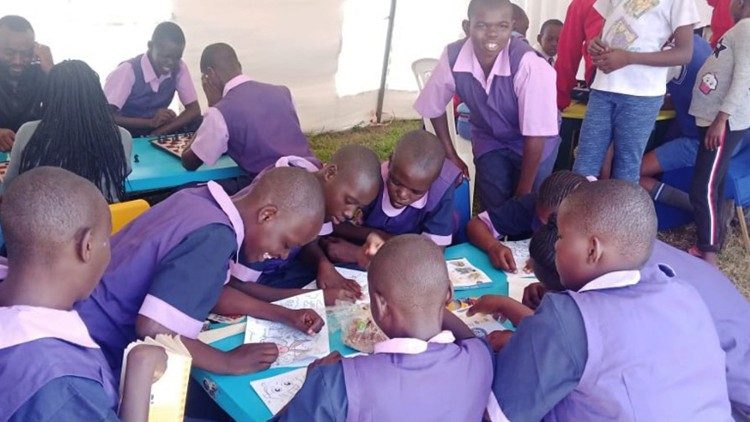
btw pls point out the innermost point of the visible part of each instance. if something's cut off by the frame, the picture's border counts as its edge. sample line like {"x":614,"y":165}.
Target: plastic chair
{"x":462,"y":210}
{"x":125,"y":212}
{"x":422,"y":69}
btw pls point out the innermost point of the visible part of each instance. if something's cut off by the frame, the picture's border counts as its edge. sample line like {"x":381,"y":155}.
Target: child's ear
{"x":449,"y":296}
{"x":465,"y":25}
{"x":596,"y":249}
{"x":329,"y":172}
{"x":85,"y":246}
{"x":380,"y":305}
{"x":267,"y":213}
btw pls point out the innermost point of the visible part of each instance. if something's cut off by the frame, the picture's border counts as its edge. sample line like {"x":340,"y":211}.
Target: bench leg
{"x":743,"y":227}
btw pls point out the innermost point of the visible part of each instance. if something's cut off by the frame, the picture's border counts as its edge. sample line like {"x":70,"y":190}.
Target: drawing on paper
{"x":277,"y":391}
{"x":464,"y":275}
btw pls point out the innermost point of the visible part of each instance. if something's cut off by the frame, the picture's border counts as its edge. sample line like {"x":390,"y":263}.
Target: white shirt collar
{"x":412,"y":346}
{"x":237,"y":80}
{"x":29,"y":323}
{"x":613,"y":280}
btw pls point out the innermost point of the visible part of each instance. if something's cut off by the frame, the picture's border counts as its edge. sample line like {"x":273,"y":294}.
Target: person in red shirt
{"x":721,"y":19}
{"x":582,"y":23}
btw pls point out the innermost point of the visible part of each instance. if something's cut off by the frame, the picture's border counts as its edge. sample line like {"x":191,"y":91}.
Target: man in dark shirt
{"x":23,"y":69}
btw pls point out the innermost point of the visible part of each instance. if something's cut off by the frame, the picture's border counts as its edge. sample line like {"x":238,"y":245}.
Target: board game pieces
{"x":173,"y":144}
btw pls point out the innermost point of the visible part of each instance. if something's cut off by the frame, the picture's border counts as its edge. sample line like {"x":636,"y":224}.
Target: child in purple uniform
{"x":57,"y":227}
{"x":432,"y":368}
{"x":627,"y":340}
{"x":255,"y":123}
{"x":141,"y":89}
{"x":416,"y":197}
{"x":170,"y":265}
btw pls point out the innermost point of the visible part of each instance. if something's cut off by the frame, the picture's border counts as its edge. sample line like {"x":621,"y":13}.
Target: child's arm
{"x":533,"y":147}
{"x":244,"y":359}
{"x":146,"y":363}
{"x":480,"y":236}
{"x":680,"y":54}
{"x":453,"y":324}
{"x":357,"y":234}
{"x":162,"y":116}
{"x":327,"y":276}
{"x":505,"y":306}
{"x":272,"y":294}
{"x":440,"y":124}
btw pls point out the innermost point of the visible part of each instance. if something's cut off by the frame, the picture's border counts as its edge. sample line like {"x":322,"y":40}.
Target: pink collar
{"x":149,"y":74}
{"x":226,"y":204}
{"x":29,"y":323}
{"x":467,"y":62}
{"x":385,"y":203}
{"x":293,"y":160}
{"x":237,"y":80}
{"x":613,"y":280}
{"x":412,"y":346}
{"x":326,"y":229}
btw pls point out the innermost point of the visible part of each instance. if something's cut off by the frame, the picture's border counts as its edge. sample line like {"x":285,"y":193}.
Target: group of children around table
{"x":621,"y":327}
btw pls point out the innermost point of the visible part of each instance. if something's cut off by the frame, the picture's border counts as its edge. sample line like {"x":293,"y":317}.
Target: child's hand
{"x":501,"y":257}
{"x":533,"y":294}
{"x":252,"y":357}
{"x":304,"y":320}
{"x":7,"y":137}
{"x":339,"y":250}
{"x":329,"y":278}
{"x":162,"y":117}
{"x":334,"y":294}
{"x":213,"y":92}
{"x":325,"y":360}
{"x":596,"y":46}
{"x":43,"y":55}
{"x":461,"y":166}
{"x":612,"y":60}
{"x":715,"y":133}
{"x":528,"y":267}
{"x":488,"y":305}
{"x":369,"y":249}
{"x":498,"y":339}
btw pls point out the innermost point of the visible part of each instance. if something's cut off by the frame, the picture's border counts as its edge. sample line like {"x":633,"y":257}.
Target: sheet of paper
{"x":359,"y":276}
{"x":464,"y":275}
{"x":516,"y":286}
{"x":520,"y":249}
{"x":481,"y":325}
{"x":295,"y":347}
{"x":279,"y":390}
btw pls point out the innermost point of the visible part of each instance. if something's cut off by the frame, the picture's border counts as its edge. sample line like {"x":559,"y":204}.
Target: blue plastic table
{"x":157,"y":169}
{"x":234,"y":393}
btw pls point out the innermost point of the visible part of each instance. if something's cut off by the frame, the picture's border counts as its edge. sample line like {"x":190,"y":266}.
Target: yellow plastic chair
{"x":125,"y":212}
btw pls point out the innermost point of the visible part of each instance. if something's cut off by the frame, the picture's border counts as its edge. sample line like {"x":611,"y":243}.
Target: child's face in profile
{"x":275,"y":235}
{"x":344,"y":198}
{"x":406,"y":186}
{"x":165,"y":56}
{"x":549,"y":38}
{"x":489,"y":29}
{"x":572,"y":252}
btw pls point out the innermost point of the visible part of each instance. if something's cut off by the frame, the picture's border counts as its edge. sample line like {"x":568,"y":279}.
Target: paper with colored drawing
{"x":464,"y":275}
{"x":360,"y":277}
{"x":480,"y":324}
{"x":295,"y":347}
{"x":277,"y":391}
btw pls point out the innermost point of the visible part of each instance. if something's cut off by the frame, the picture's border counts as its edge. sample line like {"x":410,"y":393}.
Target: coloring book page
{"x":295,"y":347}
{"x":277,"y":391}
{"x":464,"y":275}
{"x":480,"y":324}
{"x":358,"y":276}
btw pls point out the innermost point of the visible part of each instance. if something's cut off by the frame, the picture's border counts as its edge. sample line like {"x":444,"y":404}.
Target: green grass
{"x":734,"y":259}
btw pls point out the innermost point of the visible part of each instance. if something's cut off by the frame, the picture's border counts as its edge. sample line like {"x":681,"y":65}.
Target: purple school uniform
{"x":653,"y":352}
{"x":137,"y":251}
{"x":729,"y":310}
{"x":494,"y":117}
{"x":41,"y":345}
{"x":262,"y":125}
{"x":143,"y":102}
{"x":432,"y":215}
{"x":409,"y":379}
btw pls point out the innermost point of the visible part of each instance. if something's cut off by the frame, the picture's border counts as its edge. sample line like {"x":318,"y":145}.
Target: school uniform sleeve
{"x":543,"y":362}
{"x":517,"y":217}
{"x":67,"y":399}
{"x":537,"y":109}
{"x":439,"y":224}
{"x":185,"y":86}
{"x":23,"y":136}
{"x":321,"y":398}
{"x":737,"y":95}
{"x":211,"y":138}
{"x":118,"y":85}
{"x":188,"y":281}
{"x":438,"y":90}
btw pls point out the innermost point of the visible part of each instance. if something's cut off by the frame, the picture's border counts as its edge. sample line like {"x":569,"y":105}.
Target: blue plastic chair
{"x":462,"y":209}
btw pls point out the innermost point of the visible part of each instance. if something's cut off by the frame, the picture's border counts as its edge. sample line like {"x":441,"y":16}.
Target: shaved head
{"x":409,"y":272}
{"x":222,"y":58}
{"x":474,"y":5}
{"x":618,"y":212}
{"x":358,"y":164}
{"x":46,"y":208}
{"x":421,"y":151}
{"x":291,"y":189}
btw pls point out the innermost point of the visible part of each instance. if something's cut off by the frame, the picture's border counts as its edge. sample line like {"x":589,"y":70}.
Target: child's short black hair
{"x":358,"y":162}
{"x":542,"y":252}
{"x":422,"y":150}
{"x":16,"y":23}
{"x":556,"y":187}
{"x":548,"y":23}
{"x":168,"y":31}
{"x":474,"y":4}
{"x":219,"y":55}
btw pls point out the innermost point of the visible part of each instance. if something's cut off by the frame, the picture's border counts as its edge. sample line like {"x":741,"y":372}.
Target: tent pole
{"x":386,"y":58}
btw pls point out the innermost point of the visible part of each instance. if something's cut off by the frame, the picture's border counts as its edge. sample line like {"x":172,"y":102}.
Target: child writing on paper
{"x":170,"y":265}
{"x":57,"y":227}
{"x":424,"y":372}
{"x":629,"y":88}
{"x":416,"y":197}
{"x":351,"y":180}
{"x":140,"y":90}
{"x":721,"y":106}
{"x":621,"y":318}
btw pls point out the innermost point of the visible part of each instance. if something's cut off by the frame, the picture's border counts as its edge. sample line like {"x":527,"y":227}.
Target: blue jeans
{"x":624,"y":120}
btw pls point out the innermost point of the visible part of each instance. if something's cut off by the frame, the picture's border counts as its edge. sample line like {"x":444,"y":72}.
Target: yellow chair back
{"x":125,"y":212}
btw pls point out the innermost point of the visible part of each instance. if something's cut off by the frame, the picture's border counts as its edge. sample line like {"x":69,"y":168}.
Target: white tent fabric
{"x":329,"y":52}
